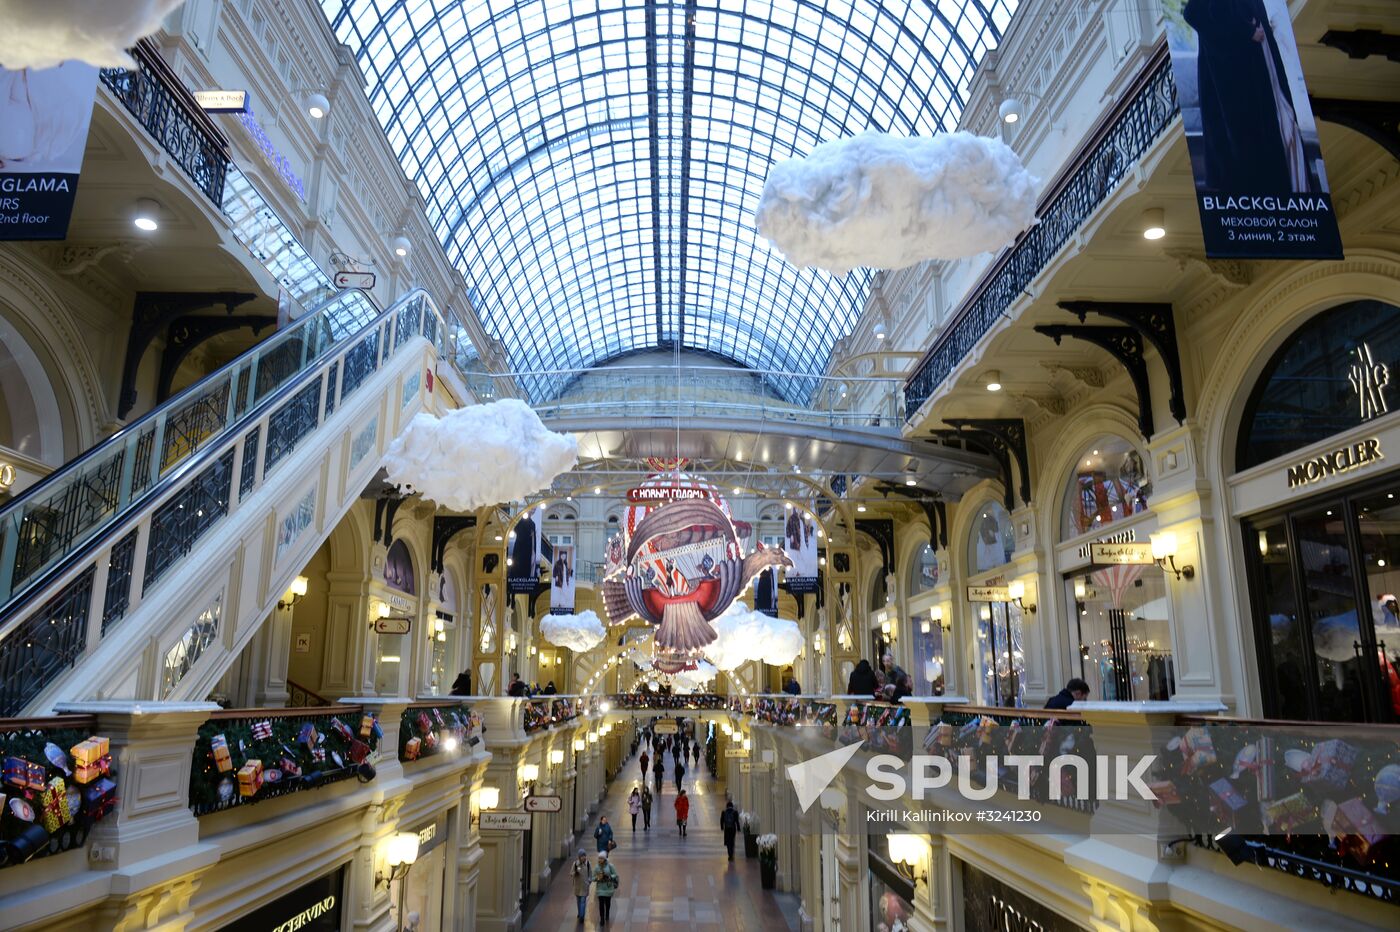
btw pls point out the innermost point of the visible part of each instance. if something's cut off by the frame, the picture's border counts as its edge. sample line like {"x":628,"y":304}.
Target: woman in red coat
{"x":682,"y":811}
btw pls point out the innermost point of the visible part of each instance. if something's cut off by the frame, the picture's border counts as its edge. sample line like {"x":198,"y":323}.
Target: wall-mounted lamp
{"x":378,"y":608}
{"x":1081,"y":589}
{"x":592,"y":737}
{"x":294,"y":594}
{"x":910,"y":855}
{"x":819,"y":642}
{"x":748,"y":743}
{"x":556,"y":756}
{"x":488,"y":798}
{"x":317,"y":105}
{"x":579,"y":744}
{"x":529,"y":773}
{"x":1017,"y":592}
{"x":400,"y":851}
{"x":937,"y":614}
{"x":1164,"y":552}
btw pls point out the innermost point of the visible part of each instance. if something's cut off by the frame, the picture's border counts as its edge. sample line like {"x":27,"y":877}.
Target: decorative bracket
{"x":384,"y":510}
{"x":186,"y":333}
{"x":1362,"y":43}
{"x":1123,"y":344}
{"x":1155,"y":322}
{"x":882,"y":530}
{"x":151,"y":312}
{"x":935,"y":510}
{"x":445,"y":527}
{"x":1005,"y":437}
{"x":1377,"y":120}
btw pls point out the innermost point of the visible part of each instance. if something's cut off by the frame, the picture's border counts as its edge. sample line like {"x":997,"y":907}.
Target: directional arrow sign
{"x":364,"y":280}
{"x":543,"y":804}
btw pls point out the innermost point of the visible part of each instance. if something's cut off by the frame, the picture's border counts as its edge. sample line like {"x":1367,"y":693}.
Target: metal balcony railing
{"x":1143,"y":115}
{"x":169,"y":113}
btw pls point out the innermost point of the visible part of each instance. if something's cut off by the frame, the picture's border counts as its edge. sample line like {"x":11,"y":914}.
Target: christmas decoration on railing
{"x":783,"y":710}
{"x":882,"y":726}
{"x":659,"y":701}
{"x":679,"y":564}
{"x":1288,"y":790}
{"x":57,"y":782}
{"x":250,"y":757}
{"x":437,"y":729}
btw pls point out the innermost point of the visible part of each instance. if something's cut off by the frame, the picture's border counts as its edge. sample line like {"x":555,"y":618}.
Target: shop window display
{"x":923,"y":572}
{"x":891,"y":895}
{"x":1122,"y":632}
{"x":928,"y":655}
{"x":1001,"y":651}
{"x":993,"y":539}
{"x":1109,"y":483}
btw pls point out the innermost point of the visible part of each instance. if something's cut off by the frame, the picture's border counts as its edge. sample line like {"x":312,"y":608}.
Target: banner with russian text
{"x":1260,"y":181}
{"x":800,"y":544}
{"x":44,"y":119}
{"x":562,"y":582}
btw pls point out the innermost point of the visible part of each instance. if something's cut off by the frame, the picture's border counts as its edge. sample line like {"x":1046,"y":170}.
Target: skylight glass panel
{"x":549,"y":140}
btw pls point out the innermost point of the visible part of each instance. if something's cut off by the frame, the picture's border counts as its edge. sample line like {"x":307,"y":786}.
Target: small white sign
{"x":505,"y":821}
{"x":665,"y":728}
{"x":988,"y":594}
{"x":1128,"y":553}
{"x":755,"y":767}
{"x":303,"y":643}
{"x":543,"y":804}
{"x":392,"y":625}
{"x":735,"y":752}
{"x":361,"y":280}
{"x":222,"y":101}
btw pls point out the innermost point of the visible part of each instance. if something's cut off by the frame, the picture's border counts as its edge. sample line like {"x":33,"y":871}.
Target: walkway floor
{"x":670,"y":882}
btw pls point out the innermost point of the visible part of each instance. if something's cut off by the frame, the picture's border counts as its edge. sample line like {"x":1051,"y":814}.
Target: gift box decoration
{"x":1330,"y":766}
{"x":99,"y":798}
{"x":430,"y":741}
{"x":308,"y":735}
{"x":90,"y":752}
{"x":1284,"y":816}
{"x":1197,"y":750}
{"x":1356,"y":820}
{"x":262,"y":731}
{"x":318,"y":754}
{"x":412,"y":749}
{"x":342,"y":729}
{"x":218,"y":745}
{"x":23,"y":774}
{"x":290,"y":767}
{"x":250,"y":778}
{"x":86,"y":773}
{"x":425,"y":724}
{"x":1166,"y":792}
{"x":437,"y":717}
{"x":366,"y":725}
{"x":1226,"y":801}
{"x":53,"y":806}
{"x":358,"y":751}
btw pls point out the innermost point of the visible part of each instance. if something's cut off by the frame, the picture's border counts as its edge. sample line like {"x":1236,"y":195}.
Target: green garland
{"x":207,"y":792}
{"x":28,"y":745}
{"x":444,"y":719}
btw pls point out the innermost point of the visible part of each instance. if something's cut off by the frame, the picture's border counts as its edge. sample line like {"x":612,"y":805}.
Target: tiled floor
{"x":670,"y":882}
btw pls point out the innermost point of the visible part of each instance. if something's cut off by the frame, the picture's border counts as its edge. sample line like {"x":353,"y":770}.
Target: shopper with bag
{"x":682,"y":811}
{"x":603,"y":834}
{"x":583,"y":877}
{"x":606,"y":880}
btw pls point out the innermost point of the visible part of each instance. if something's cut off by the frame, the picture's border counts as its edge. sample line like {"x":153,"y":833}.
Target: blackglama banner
{"x":800,"y":544}
{"x":1260,"y":182}
{"x":44,"y":118}
{"x":562,"y":583}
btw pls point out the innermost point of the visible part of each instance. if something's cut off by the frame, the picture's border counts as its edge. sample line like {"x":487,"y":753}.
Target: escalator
{"x":111,"y":584}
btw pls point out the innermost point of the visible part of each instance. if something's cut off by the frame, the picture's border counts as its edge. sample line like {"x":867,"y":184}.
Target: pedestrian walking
{"x":682,"y":811}
{"x":634,"y":806}
{"x":729,"y":824}
{"x":659,"y":769}
{"x":646,"y":760}
{"x":603,"y":834}
{"x":605,"y":879}
{"x":646,"y":808}
{"x":680,"y":775}
{"x":583,"y":878}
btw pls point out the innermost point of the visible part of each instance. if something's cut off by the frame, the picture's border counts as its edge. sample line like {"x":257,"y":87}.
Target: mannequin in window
{"x":990,"y":551}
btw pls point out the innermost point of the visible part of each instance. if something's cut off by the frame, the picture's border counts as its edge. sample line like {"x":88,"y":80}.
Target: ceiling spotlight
{"x":317,"y":105}
{"x":400,"y":245}
{"x":147,"y":214}
{"x":879,"y":330}
{"x":911,"y":482}
{"x":991,"y":380}
{"x":1154,"y":223}
{"x":1010,"y":110}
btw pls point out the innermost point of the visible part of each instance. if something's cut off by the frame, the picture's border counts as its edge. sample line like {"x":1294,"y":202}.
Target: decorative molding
{"x":1091,"y":376}
{"x":1125,"y":345}
{"x":1233,"y":273}
{"x":1035,"y":403}
{"x":75,"y":258}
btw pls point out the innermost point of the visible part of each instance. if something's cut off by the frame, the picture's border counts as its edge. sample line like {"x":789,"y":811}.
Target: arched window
{"x":923,"y":570}
{"x":1331,"y":375}
{"x":993,"y":539}
{"x":1108,"y":482}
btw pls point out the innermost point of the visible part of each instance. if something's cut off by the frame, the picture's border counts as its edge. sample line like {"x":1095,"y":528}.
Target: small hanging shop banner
{"x":1131,"y":553}
{"x":562,"y":583}
{"x":988,"y":594}
{"x":765,"y":593}
{"x":1260,"y":181}
{"x":522,"y":575}
{"x":800,"y":544}
{"x":44,"y":119}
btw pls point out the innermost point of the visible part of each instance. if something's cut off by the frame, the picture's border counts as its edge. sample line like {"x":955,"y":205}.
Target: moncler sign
{"x":1341,"y":460}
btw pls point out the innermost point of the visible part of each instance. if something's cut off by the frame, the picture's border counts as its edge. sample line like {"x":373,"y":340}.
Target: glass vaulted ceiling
{"x":593,"y":166}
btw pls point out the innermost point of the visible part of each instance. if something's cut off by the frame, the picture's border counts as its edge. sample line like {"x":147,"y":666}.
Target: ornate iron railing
{"x":169,"y":114}
{"x":299,"y":697}
{"x":1144,"y":115}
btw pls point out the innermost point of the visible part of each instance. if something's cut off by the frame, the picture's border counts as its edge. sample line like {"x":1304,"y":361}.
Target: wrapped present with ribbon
{"x":90,"y":752}
{"x":1166,"y":792}
{"x":425,"y":724}
{"x":99,"y":798}
{"x":250,"y":778}
{"x":1285,"y":816}
{"x":290,"y":767}
{"x":357,"y":751}
{"x":262,"y":731}
{"x":308,"y":736}
{"x":1197,"y":749}
{"x":342,"y":729}
{"x":1226,"y":802}
{"x":53,"y":806}
{"x":23,"y":774}
{"x":430,"y":741}
{"x":939,"y":737}
{"x":1330,"y":766}
{"x":412,"y":749}
{"x":437,"y":717}
{"x":86,"y":773}
{"x":1359,"y":827}
{"x":223,"y":759}
{"x":367,"y":723}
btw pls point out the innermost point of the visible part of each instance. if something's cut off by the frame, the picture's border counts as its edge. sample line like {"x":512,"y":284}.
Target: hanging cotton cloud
{"x":746,"y":635}
{"x":578,"y":633}
{"x":478,"y":456}
{"x":42,"y":33}
{"x":692,"y":681}
{"x":888,"y":202}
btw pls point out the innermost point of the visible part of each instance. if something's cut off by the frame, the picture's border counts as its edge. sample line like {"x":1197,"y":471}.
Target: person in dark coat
{"x":604,"y":835}
{"x":1076,"y":690}
{"x":1249,"y":127}
{"x":729,"y":824}
{"x":517,"y":687}
{"x":862,"y":681}
{"x":462,"y":685}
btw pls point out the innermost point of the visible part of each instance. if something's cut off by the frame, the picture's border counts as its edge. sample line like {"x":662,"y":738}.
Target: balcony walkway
{"x":670,"y":882}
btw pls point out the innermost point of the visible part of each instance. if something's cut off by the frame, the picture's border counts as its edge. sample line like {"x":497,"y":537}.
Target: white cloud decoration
{"x":693,"y":681}
{"x":889,"y":202}
{"x":478,"y":456}
{"x":42,"y":33}
{"x":746,"y":635}
{"x":579,"y":633}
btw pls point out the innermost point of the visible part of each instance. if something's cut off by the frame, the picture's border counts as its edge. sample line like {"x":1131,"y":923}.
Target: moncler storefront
{"x":1315,"y":493}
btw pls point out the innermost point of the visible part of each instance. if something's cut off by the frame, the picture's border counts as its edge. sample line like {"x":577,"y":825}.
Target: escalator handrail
{"x":126,"y":431}
{"x":15,"y":608}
